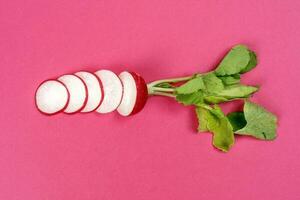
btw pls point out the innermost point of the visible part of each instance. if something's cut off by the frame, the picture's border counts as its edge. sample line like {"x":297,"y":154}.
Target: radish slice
{"x":94,"y":88}
{"x":51,"y":97}
{"x":78,"y":93}
{"x":129,"y":94}
{"x":135,"y":93}
{"x":113,"y":91}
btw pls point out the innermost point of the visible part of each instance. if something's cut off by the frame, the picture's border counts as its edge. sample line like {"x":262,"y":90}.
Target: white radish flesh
{"x":94,"y":88}
{"x":51,"y":97}
{"x":112,"y":89}
{"x":129,"y":94}
{"x":77,"y":90}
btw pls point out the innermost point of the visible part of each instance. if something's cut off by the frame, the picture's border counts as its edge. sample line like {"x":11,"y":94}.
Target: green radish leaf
{"x":201,"y":116}
{"x":230,"y":80}
{"x":214,"y":99}
{"x":212,"y":83}
{"x":238,"y":60}
{"x":216,"y":122}
{"x":237,"y":120}
{"x":252,"y":62}
{"x":190,"y":99}
{"x":191,"y":86}
{"x":230,"y":93}
{"x":237,"y":91}
{"x":261,"y":123}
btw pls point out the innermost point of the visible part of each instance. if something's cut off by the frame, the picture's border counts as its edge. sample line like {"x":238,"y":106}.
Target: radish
{"x":113,"y":91}
{"x":127,"y":93}
{"x":51,"y":97}
{"x":94,"y":88}
{"x":78,"y":93}
{"x":135,"y":93}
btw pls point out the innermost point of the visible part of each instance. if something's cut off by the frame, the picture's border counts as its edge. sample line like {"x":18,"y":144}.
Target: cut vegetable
{"x":127,"y":93}
{"x":94,"y":88}
{"x":78,"y":93}
{"x":135,"y":93}
{"x":112,"y":89}
{"x":51,"y":97}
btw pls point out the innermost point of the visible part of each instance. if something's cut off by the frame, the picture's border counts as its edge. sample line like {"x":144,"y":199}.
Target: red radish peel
{"x":142,"y":93}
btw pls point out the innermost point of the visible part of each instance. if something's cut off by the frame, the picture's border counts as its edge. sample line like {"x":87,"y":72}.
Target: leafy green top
{"x":260,"y":123}
{"x":238,"y":61}
{"x":206,"y":91}
{"x":215,"y":121}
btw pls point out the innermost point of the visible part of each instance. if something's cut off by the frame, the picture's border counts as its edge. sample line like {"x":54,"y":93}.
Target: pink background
{"x":157,"y":153}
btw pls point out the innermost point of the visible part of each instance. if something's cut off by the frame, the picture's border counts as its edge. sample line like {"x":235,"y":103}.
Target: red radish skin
{"x":142,"y":93}
{"x":93,"y":91}
{"x":102,"y":91}
{"x":60,"y":110}
{"x":70,"y":93}
{"x":122,"y":91}
{"x":86,"y":96}
{"x":135,"y":93}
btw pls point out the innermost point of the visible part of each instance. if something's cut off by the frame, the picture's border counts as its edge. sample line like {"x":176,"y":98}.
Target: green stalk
{"x":160,"y":89}
{"x":170,"y":80}
{"x":163,"y":94}
{"x":153,"y":89}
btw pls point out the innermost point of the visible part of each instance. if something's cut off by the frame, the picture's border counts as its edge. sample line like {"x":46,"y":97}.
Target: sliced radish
{"x":51,"y":97}
{"x":135,"y":93}
{"x":94,"y":88}
{"x":113,"y":90}
{"x":77,"y":90}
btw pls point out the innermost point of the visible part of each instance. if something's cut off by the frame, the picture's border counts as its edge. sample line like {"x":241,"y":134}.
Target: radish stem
{"x":163,"y":94}
{"x":160,"y":89}
{"x":170,"y":80}
{"x":154,"y":89}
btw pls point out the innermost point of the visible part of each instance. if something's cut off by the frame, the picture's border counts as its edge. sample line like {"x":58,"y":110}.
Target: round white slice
{"x":94,"y":90}
{"x":129,"y":94}
{"x":77,"y":90}
{"x":112,"y":89}
{"x":51,"y":97}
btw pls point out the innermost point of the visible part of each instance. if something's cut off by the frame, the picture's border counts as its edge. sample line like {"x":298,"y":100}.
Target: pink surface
{"x":157,"y":153}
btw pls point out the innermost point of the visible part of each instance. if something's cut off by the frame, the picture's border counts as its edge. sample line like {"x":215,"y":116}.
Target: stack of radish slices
{"x":102,"y":91}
